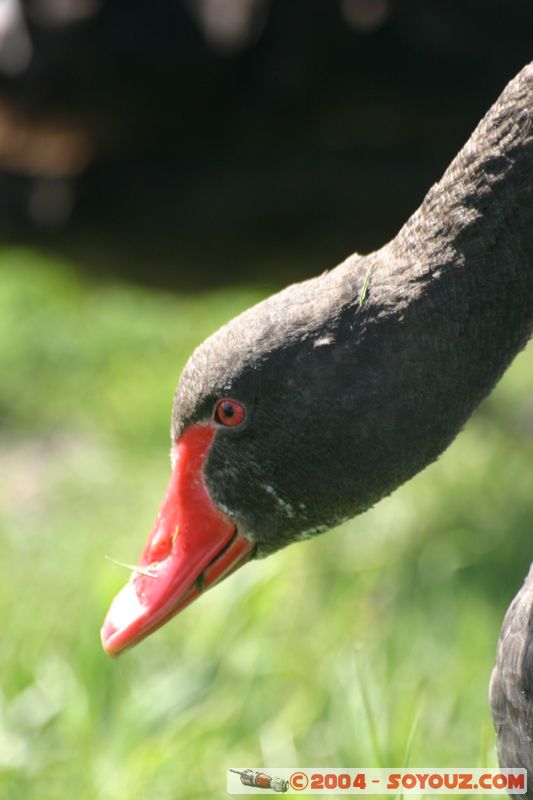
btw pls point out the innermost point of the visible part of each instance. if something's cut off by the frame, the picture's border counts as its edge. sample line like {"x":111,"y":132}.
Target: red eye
{"x":229,"y":412}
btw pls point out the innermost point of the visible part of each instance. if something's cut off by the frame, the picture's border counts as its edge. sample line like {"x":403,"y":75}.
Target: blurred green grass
{"x":371,"y":646}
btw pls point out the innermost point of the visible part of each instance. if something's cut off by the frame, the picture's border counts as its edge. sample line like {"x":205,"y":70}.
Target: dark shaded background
{"x":195,"y":143}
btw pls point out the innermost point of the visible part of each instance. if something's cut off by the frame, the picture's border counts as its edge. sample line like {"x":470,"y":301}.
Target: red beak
{"x":193,"y":545}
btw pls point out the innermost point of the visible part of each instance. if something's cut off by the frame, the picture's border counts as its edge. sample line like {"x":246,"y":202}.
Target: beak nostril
{"x":161,"y":545}
{"x":174,"y":536}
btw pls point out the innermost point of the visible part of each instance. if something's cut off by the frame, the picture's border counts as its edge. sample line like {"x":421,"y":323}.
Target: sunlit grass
{"x":370,"y":646}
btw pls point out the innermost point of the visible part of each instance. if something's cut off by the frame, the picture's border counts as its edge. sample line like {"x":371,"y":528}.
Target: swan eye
{"x":229,"y":412}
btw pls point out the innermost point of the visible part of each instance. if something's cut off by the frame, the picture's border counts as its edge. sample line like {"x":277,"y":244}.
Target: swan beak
{"x":192,"y":546}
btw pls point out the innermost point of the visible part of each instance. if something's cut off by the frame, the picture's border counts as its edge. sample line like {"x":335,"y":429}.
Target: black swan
{"x":311,"y":406}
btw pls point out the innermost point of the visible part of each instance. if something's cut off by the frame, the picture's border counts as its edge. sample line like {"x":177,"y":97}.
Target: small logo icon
{"x":299,"y":781}
{"x":260,"y":780}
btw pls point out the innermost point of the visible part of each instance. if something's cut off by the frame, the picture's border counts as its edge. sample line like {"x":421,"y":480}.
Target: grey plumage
{"x":511,"y":685}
